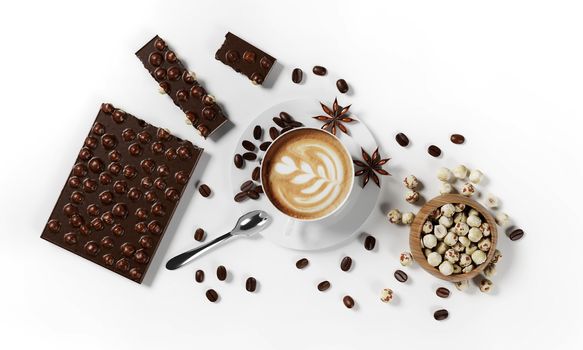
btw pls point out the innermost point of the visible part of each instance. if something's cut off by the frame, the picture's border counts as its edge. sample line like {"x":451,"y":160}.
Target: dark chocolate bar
{"x":186,"y":92}
{"x":245,"y":58}
{"x":121,"y":193}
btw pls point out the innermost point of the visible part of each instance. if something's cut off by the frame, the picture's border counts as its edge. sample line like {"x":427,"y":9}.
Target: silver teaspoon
{"x":247,"y":225}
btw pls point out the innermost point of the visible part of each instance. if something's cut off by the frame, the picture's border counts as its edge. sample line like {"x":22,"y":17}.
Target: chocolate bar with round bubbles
{"x":121,"y":192}
{"x":245,"y":58}
{"x":182,"y":87}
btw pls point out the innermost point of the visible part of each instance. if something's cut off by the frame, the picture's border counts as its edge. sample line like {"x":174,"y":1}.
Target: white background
{"x":507,"y":74}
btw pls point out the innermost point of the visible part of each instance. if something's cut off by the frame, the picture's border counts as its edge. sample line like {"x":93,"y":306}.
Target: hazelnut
{"x":406,"y":259}
{"x":476,"y":176}
{"x":429,"y":241}
{"x":461,"y":228}
{"x":472,"y":248}
{"x":485,"y":228}
{"x":465,"y":260}
{"x":497,"y":256}
{"x":448,"y":210}
{"x":441,"y":248}
{"x":468,"y":269}
{"x":459,"y":207}
{"x":407,"y":218}
{"x":485,"y":244}
{"x":490,"y":270}
{"x":468,"y":190}
{"x":440,"y":231}
{"x":450,"y":239}
{"x":434,"y":259}
{"x":478,"y":257}
{"x":460,"y":172}
{"x":475,"y":235}
{"x":445,"y":188}
{"x":491,"y":201}
{"x":452,"y":256}
{"x":411,"y":196}
{"x":386,"y":295}
{"x":460,"y":217}
{"x":456,"y":269}
{"x":427,"y":227}
{"x":486,"y":285}
{"x":458,"y":246}
{"x":465,"y":241}
{"x":445,"y":221}
{"x":446,"y":268}
{"x":474,"y":221}
{"x":462,"y":285}
{"x":394,"y":216}
{"x":443,"y":174}
{"x":502,"y":219}
{"x":411,"y":182}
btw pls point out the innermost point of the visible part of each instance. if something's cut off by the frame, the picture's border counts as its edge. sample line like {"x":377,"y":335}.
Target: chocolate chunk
{"x":342,"y":86}
{"x":204,"y":190}
{"x":402,"y":139}
{"x":348,"y":301}
{"x":346,"y":263}
{"x":184,"y":90}
{"x":319,"y":70}
{"x":102,"y":213}
{"x":440,"y":315}
{"x":442,"y":292}
{"x":199,"y":234}
{"x":434,"y":151}
{"x":324,"y":285}
{"x":297,"y":75}
{"x":251,"y":284}
{"x":221,"y":273}
{"x":212,"y":295}
{"x":401,"y":276}
{"x":255,"y":64}
{"x":457,"y":139}
{"x":302,"y":263}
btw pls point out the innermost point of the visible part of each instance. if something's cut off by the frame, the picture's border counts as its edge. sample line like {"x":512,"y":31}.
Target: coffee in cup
{"x":307,"y":173}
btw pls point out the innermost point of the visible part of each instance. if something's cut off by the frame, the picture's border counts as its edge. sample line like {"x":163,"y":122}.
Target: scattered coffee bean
{"x":257,"y":132}
{"x":286,"y":117}
{"x":238,"y":160}
{"x":255,"y":174}
{"x":251,"y":284}
{"x":199,"y":234}
{"x":348,"y":301}
{"x":346,"y":263}
{"x":286,"y":129}
{"x":199,"y":276}
{"x":319,"y":70}
{"x":342,"y":85}
{"x":402,"y":139}
{"x":324,"y":285}
{"x":457,"y":139}
{"x":246,"y":186}
{"x":297,"y":75}
{"x":221,"y":273}
{"x":516,"y":234}
{"x":401,"y":276}
{"x":440,"y":315}
{"x":434,"y":151}
{"x":249,"y":156}
{"x":204,"y":190}
{"x":241,"y":196}
{"x":279,"y":122}
{"x":253,"y":194}
{"x":212,"y":295}
{"x":302,"y":263}
{"x":295,"y":124}
{"x":369,"y":242}
{"x":442,"y":292}
{"x":248,"y":145}
{"x":259,"y":189}
{"x":273,"y":133}
{"x":264,"y":145}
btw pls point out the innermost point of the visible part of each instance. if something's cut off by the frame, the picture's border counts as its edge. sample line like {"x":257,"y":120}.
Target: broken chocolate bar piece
{"x":245,"y":58}
{"x":121,"y":192}
{"x":181,"y":85}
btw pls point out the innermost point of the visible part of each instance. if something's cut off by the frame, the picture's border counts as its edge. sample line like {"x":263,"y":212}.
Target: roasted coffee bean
{"x":324,"y":285}
{"x":212,"y":295}
{"x":402,"y":139}
{"x":302,"y":263}
{"x":204,"y":190}
{"x":346,"y":263}
{"x":264,"y":145}
{"x":286,"y":117}
{"x":516,"y":234}
{"x":401,"y":276}
{"x":442,"y":292}
{"x":457,"y":139}
{"x":279,"y":122}
{"x":342,"y":85}
{"x":246,"y":186}
{"x":295,"y":124}
{"x":248,"y":145}
{"x":348,"y":301}
{"x":253,"y":194}
{"x":369,"y":242}
{"x":238,"y":160}
{"x":286,"y":129}
{"x":199,"y":234}
{"x":221,"y":273}
{"x":249,"y":156}
{"x":297,"y":75}
{"x":241,"y":196}
{"x":255,"y":174}
{"x":199,"y":276}
{"x":259,"y":189}
{"x":257,"y":132}
{"x":319,"y":70}
{"x":440,"y":315}
{"x":273,"y":133}
{"x":434,"y":151}
{"x":251,"y":284}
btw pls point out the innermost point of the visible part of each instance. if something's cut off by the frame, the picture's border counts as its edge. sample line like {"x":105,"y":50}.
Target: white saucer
{"x":330,"y":231}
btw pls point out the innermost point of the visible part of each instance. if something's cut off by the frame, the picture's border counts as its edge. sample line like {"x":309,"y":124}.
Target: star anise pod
{"x":335,"y":117}
{"x":370,"y":166}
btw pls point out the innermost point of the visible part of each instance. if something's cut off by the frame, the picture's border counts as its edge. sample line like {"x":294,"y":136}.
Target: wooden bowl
{"x":416,"y":231}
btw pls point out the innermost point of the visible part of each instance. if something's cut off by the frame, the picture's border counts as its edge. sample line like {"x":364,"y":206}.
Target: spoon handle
{"x":188,"y":256}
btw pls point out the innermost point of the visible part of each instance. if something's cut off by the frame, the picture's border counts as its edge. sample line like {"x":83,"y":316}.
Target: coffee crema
{"x":307,"y":173}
